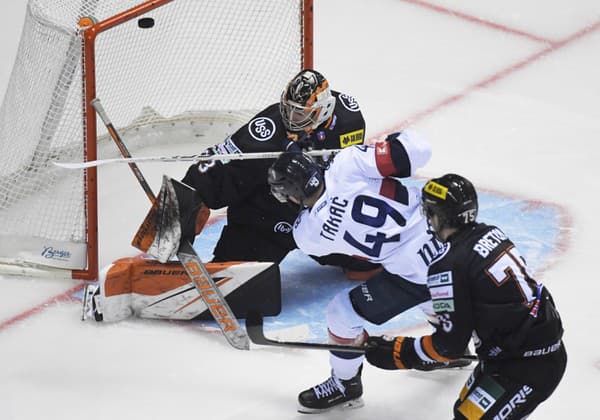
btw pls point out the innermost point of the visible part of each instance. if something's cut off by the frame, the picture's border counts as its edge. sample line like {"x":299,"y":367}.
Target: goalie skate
{"x":90,"y":300}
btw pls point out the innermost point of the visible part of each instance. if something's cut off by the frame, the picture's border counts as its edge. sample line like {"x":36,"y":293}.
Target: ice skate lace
{"x":329,"y":387}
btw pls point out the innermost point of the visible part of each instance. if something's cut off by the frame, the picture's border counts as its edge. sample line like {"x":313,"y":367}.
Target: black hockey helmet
{"x":295,"y":177}
{"x":306,"y":102}
{"x":452,"y":198}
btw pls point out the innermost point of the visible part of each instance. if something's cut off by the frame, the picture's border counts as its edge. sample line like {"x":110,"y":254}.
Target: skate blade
{"x":348,"y":405}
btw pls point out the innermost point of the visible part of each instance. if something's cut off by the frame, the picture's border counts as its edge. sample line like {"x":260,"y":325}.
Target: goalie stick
{"x":184,"y":158}
{"x":195,"y":269}
{"x":254,"y":327}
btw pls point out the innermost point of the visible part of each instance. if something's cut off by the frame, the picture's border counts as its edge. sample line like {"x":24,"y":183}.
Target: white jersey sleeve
{"x":400,"y":155}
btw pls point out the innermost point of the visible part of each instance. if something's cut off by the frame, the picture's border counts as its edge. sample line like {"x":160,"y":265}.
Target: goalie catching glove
{"x":392,"y":353}
{"x":171,"y":220}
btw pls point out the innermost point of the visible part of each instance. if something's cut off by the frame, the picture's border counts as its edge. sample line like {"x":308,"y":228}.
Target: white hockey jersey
{"x":368,"y":213}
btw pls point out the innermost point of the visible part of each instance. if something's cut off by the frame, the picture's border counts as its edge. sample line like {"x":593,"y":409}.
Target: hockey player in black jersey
{"x":480,"y":286}
{"x":309,"y":116}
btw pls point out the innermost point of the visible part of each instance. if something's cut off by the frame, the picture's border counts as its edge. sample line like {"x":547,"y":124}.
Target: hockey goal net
{"x":184,"y":66}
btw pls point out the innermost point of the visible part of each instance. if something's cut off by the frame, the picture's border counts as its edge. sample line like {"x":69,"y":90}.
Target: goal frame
{"x":89,"y":31}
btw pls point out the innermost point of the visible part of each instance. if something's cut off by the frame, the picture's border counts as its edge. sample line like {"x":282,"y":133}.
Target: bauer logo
{"x":262,"y":128}
{"x":52,"y":253}
{"x":283,"y":227}
{"x":349,"y":103}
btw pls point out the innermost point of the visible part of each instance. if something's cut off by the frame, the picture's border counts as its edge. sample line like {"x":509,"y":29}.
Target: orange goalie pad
{"x":149,"y":277}
{"x":245,"y":285}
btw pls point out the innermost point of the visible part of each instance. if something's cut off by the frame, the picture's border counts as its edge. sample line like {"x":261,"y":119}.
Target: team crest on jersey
{"x":352,"y":138}
{"x":261,"y":128}
{"x":349,"y":102}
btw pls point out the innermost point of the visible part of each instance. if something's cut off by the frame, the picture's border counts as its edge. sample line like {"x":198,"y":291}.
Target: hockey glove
{"x":399,"y":353}
{"x":392,"y":352}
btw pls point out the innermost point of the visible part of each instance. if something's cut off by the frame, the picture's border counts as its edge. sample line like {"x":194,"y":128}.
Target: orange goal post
{"x":197,"y":68}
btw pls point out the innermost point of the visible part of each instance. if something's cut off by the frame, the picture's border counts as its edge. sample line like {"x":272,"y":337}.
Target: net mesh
{"x":203,"y":62}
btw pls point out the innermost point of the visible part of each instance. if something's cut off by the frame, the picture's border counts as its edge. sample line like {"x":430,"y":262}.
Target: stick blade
{"x":254,"y":328}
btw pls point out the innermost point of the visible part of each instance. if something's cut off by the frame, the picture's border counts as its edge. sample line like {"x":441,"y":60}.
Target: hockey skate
{"x":333,"y":393}
{"x":91,"y":308}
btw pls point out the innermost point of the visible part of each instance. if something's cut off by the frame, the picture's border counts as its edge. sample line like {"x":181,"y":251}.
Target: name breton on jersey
{"x":489,"y":242}
{"x":331,"y":227}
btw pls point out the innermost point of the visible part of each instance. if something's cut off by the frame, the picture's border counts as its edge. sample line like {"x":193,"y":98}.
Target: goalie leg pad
{"x":149,"y":289}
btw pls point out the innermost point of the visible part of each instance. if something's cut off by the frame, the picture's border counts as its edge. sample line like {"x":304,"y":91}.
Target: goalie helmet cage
{"x":182,"y":67}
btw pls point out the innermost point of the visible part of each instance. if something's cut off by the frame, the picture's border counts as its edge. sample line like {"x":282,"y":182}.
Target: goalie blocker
{"x":148,"y":289}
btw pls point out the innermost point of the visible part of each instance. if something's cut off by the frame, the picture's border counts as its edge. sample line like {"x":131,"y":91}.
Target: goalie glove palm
{"x":170,"y":222}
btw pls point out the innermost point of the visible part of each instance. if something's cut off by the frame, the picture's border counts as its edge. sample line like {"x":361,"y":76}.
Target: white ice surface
{"x":530,"y":130}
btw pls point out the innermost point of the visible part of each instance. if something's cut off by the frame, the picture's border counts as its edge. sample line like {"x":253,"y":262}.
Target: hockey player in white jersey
{"x":358,"y":207}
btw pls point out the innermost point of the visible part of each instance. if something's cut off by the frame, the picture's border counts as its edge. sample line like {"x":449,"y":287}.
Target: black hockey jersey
{"x":242,"y":184}
{"x":480,"y":286}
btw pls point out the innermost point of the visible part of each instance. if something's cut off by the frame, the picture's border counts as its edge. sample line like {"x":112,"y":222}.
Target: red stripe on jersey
{"x":388,"y":188}
{"x":383,"y":159}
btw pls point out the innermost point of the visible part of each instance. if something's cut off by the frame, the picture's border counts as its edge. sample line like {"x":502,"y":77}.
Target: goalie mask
{"x":296,"y":178}
{"x":453,"y":199}
{"x":306,"y":102}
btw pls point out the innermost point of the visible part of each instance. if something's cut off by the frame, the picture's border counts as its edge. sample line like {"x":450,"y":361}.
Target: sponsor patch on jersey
{"x":261,"y":128}
{"x":349,"y":102}
{"x":352,"y":138}
{"x":440,"y":279}
{"x":436,"y":190}
{"x":443,"y":305}
{"x":283,"y":227}
{"x":481,"y":398}
{"x":442,"y":292}
{"x":228,"y":147}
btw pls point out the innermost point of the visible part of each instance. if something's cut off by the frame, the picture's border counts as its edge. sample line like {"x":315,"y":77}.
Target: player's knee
{"x":342,"y":320}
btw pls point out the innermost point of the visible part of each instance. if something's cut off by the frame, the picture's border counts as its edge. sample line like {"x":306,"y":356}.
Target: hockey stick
{"x":254,"y":327}
{"x":183,"y":158}
{"x":195,"y":269}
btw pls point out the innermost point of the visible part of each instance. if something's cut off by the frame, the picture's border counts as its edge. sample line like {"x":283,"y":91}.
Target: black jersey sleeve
{"x":450,"y":294}
{"x":227,"y":183}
